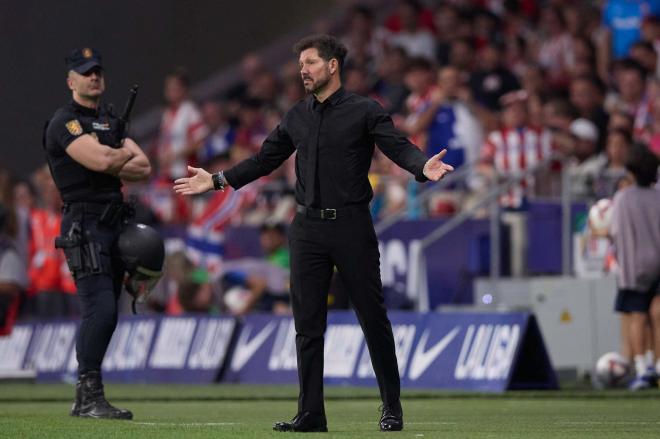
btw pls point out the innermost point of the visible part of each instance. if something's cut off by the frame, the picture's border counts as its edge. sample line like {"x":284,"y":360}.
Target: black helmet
{"x":143,"y":251}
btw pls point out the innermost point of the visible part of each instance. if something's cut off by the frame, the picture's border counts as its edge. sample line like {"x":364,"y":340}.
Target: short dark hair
{"x":632,"y":65}
{"x":419,"y":63}
{"x":643,"y":165}
{"x":593,"y":80}
{"x":328,"y":46}
{"x":180,"y":74}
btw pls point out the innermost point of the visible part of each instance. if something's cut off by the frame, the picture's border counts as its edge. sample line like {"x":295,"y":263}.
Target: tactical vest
{"x":74,"y":181}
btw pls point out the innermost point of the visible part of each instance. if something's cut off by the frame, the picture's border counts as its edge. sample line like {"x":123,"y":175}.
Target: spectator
{"x":363,"y":36}
{"x":630,"y":79}
{"x":251,"y":67}
{"x":620,"y":120}
{"x":390,"y":84}
{"x":608,"y":180}
{"x":251,"y":129}
{"x":508,"y":152}
{"x":414,"y":39}
{"x":462,"y":56}
{"x":584,"y":162}
{"x":182,"y":130}
{"x":420,"y":81}
{"x":445,"y":18}
{"x":274,"y":244}
{"x":651,"y":134}
{"x":449,"y":123}
{"x":623,"y":20}
{"x":555,"y":52}
{"x":13,"y":277}
{"x":644,"y":53}
{"x":491,"y":80}
{"x":221,"y":134}
{"x":264,"y":87}
{"x":587,"y":94}
{"x":51,"y":292}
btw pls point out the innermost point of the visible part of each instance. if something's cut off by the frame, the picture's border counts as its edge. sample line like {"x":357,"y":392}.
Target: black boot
{"x":75,"y":408}
{"x":92,"y":400}
{"x":391,"y":418}
{"x":303,"y":422}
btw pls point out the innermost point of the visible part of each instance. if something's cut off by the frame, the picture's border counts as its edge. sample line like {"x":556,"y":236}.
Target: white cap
{"x":584,"y":129}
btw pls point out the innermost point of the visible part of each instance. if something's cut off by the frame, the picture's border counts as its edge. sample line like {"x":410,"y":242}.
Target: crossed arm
{"x":128,"y":162}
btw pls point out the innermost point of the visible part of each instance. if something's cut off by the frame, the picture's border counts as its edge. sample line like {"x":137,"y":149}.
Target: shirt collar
{"x":86,"y":111}
{"x":333,"y":99}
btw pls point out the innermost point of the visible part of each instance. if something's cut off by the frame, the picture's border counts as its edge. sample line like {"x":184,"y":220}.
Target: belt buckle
{"x":329,"y":214}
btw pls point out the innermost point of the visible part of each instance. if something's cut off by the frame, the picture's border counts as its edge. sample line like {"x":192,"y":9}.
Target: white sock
{"x":649,"y":356}
{"x":640,"y":365}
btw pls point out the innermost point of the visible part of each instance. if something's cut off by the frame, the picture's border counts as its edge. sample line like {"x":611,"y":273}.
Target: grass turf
{"x":239,"y":411}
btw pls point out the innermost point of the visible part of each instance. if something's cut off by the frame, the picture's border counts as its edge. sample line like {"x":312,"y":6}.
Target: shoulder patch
{"x":74,"y":127}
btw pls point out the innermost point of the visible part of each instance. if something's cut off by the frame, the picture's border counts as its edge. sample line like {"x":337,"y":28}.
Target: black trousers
{"x":98,"y":292}
{"x":349,"y":243}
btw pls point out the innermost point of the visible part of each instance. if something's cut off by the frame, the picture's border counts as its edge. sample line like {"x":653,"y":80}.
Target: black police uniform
{"x":93,"y":216}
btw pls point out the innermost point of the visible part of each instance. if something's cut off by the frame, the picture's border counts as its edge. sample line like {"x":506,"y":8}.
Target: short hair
{"x":180,"y":74}
{"x":419,"y":63}
{"x":632,"y":65}
{"x":593,"y":80}
{"x":627,"y":136}
{"x":646,"y":45}
{"x":328,"y":46}
{"x":643,"y":165}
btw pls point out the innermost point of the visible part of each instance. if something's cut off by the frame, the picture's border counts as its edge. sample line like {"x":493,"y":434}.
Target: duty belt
{"x":329,"y":214}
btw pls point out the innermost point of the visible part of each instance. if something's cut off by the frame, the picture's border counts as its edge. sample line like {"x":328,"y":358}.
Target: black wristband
{"x":219,"y":182}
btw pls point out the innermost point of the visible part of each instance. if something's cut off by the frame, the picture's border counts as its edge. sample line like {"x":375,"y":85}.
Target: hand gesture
{"x":435,"y":169}
{"x":199,"y":181}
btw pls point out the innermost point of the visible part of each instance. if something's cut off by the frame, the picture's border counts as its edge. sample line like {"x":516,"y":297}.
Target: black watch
{"x":219,"y":182}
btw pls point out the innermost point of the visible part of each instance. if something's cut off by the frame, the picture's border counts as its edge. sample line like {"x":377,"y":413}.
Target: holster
{"x":71,"y":243}
{"x":83,"y":256}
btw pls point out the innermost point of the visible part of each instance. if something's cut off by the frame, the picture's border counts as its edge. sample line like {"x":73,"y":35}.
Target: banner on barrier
{"x":475,"y":351}
{"x":469,"y":351}
{"x":188,"y":349}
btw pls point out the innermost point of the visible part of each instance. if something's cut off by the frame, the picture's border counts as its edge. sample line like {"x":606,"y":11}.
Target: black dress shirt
{"x":334,"y":141}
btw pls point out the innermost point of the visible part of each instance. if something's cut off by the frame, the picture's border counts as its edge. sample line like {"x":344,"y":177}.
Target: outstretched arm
{"x":399,"y":149}
{"x":276,"y":148}
{"x":435,"y":168}
{"x":199,"y":181}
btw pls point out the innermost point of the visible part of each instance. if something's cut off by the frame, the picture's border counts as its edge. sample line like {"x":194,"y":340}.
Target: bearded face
{"x":314,"y":70}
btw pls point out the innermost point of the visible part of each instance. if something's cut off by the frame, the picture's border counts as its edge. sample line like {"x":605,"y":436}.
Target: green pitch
{"x":233,"y":411}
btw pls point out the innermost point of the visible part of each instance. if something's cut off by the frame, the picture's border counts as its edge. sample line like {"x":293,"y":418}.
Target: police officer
{"x":88,"y":157}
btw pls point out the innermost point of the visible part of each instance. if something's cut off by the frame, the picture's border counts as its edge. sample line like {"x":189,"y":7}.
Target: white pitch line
{"x":189,"y":424}
{"x":609,"y":422}
{"x":422,"y":423}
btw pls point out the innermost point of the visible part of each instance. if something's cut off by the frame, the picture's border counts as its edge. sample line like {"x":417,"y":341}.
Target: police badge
{"x":74,"y":127}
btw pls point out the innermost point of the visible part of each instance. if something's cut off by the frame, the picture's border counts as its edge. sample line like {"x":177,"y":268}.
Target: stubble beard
{"x":317,"y":86}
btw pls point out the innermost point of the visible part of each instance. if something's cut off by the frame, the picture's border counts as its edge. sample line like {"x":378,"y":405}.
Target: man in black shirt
{"x":333,"y":133}
{"x":88,"y":156}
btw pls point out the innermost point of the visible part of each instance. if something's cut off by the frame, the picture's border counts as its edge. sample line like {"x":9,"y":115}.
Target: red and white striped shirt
{"x":513,"y":151}
{"x":180,"y":126}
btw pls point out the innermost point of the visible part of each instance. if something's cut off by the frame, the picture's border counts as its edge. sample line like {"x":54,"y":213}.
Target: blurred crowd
{"x":505,"y":85}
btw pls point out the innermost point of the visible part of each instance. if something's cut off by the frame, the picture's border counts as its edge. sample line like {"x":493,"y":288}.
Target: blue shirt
{"x":624,"y":19}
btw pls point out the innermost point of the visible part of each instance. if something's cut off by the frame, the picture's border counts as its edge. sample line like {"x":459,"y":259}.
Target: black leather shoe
{"x":304,"y":422}
{"x":392,"y":418}
{"x":92,"y":400}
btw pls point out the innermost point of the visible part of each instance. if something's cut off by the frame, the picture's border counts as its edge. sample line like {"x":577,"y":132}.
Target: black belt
{"x":329,"y":214}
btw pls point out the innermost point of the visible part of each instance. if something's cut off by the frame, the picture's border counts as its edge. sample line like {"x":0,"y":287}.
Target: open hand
{"x":435,"y":169}
{"x":199,"y":181}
